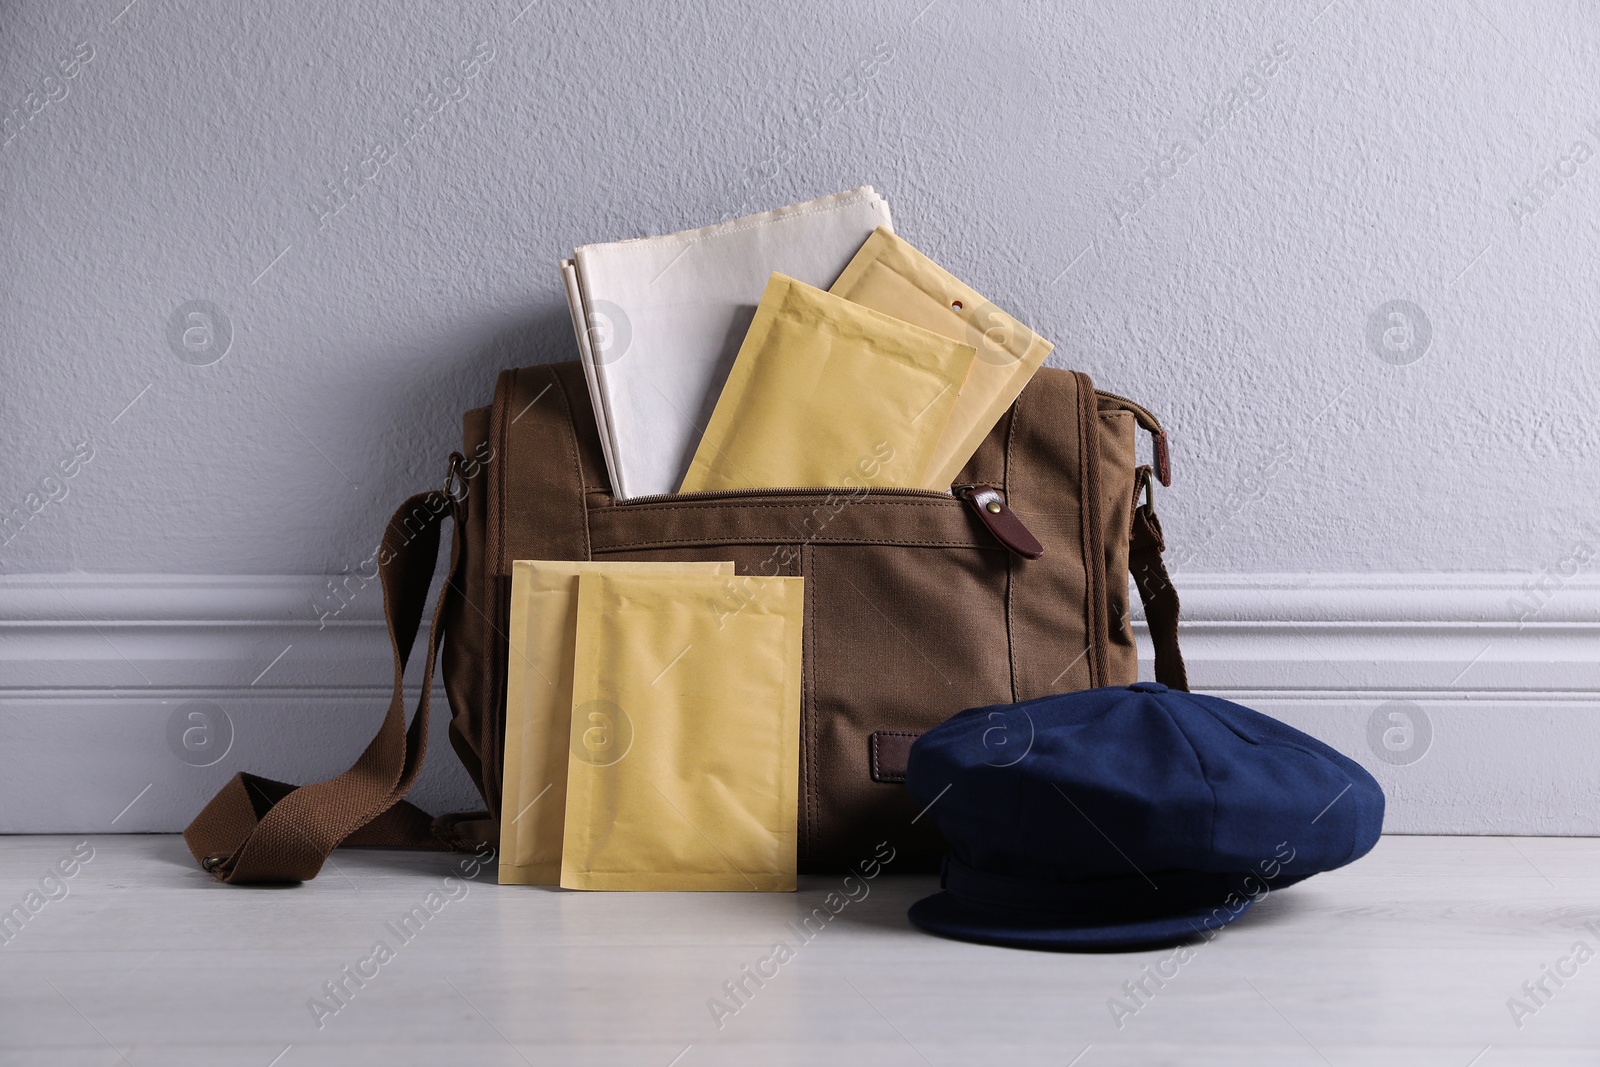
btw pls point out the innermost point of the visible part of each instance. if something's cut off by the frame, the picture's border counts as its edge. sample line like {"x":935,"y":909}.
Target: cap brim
{"x":949,"y":916}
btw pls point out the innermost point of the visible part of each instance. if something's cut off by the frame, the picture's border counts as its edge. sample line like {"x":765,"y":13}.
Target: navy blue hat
{"x":1124,"y":818}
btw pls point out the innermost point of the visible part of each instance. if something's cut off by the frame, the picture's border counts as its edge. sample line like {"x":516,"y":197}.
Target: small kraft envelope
{"x":891,"y":276}
{"x":544,"y":628}
{"x":821,"y":383}
{"x":684,"y":766}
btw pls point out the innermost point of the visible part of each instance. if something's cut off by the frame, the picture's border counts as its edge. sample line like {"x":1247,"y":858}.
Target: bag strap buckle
{"x":453,"y":476}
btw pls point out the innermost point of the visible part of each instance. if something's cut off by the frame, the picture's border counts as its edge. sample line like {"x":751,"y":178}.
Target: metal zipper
{"x":1158,"y":435}
{"x":801,"y":490}
{"x":1146,"y":419}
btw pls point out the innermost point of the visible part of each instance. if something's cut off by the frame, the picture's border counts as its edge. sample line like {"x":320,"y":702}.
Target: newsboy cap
{"x":1128,"y":817}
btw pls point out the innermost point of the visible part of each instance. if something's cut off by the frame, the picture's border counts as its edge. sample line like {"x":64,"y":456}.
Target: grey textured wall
{"x":1345,"y":250}
{"x":1368,"y":153}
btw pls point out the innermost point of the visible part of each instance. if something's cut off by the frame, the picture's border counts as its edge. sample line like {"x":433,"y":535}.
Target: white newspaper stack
{"x":659,"y":321}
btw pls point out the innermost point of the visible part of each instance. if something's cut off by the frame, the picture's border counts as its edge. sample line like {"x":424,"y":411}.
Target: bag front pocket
{"x":898,"y":639}
{"x":905,"y":625}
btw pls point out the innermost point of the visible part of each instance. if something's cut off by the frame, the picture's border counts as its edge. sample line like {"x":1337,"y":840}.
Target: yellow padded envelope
{"x":544,"y":628}
{"x":891,"y":276}
{"x":696,"y":682}
{"x":821,"y":385}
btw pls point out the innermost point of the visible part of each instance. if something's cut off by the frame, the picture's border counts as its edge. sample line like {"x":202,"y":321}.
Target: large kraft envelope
{"x":891,"y":276}
{"x":543,"y":633}
{"x":684,"y":765}
{"x":821,"y":385}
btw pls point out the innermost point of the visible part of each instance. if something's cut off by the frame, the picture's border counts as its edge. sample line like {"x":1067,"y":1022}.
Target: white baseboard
{"x":1503,"y":678}
{"x":93,"y":668}
{"x":1495,"y":680}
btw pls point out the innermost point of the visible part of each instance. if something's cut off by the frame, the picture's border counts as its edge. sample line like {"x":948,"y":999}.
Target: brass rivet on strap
{"x":993,"y":507}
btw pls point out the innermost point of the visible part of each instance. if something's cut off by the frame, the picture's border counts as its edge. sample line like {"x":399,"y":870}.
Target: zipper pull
{"x":989,"y":505}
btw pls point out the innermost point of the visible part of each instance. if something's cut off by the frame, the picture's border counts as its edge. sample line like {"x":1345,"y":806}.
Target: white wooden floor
{"x":1407,"y":957}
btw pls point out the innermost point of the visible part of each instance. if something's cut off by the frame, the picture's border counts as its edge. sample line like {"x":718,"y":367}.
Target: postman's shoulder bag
{"x":918,"y":605}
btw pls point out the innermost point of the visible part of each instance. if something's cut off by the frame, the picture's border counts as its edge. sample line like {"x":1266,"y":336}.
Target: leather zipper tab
{"x":989,"y":505}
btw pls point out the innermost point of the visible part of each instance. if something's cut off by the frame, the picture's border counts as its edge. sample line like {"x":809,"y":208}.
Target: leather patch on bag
{"x":890,"y":750}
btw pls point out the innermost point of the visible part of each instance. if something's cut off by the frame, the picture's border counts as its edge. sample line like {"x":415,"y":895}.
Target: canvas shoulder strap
{"x":259,"y":830}
{"x":1156,"y":591}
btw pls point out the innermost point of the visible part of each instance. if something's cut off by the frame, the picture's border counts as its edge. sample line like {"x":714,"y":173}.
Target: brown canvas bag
{"x":918,"y":605}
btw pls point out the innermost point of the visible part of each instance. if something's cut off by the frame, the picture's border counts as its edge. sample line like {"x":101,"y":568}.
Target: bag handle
{"x":1156,"y":591}
{"x":259,"y":830}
